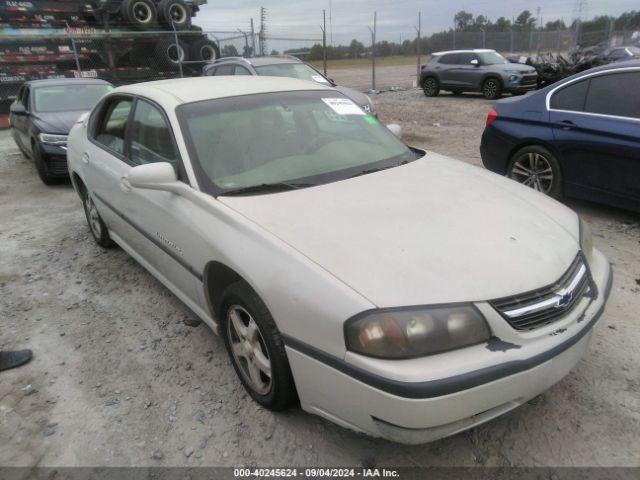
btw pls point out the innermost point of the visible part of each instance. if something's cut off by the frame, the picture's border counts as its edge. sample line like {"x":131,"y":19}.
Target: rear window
{"x":571,"y":97}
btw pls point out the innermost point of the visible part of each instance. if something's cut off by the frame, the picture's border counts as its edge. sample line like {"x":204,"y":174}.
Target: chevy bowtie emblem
{"x":564,"y":299}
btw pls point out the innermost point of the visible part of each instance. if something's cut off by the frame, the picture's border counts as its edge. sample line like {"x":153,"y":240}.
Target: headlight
{"x":513,"y":72}
{"x":51,"y":139}
{"x":586,"y":240}
{"x":415,"y":331}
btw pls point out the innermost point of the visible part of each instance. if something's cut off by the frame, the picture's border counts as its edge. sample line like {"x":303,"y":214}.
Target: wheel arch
{"x":429,"y":75}
{"x":216,"y":278}
{"x":493,"y":75}
{"x":78,"y":184}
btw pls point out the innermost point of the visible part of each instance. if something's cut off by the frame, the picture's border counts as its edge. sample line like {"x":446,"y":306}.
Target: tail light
{"x":423,"y":66}
{"x":492,"y":117}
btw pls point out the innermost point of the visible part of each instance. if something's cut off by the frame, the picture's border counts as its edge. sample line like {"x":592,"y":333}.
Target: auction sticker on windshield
{"x":319,"y":79}
{"x":343,"y":106}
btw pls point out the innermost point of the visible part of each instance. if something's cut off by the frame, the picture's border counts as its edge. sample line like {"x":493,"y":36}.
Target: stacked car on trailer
{"x":122,"y":41}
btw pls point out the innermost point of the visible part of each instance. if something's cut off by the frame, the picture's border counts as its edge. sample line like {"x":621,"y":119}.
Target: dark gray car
{"x":283,"y":66}
{"x":42,"y":116}
{"x":484,"y":71}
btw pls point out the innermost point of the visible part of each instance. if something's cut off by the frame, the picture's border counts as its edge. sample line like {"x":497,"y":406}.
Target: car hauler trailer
{"x":122,"y":41}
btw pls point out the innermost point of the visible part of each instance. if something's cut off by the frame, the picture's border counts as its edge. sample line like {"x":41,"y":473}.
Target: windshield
{"x":293,"y":70}
{"x":289,"y":137}
{"x":491,"y":58}
{"x":68,"y":98}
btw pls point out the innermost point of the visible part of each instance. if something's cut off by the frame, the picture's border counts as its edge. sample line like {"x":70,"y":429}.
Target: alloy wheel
{"x":249,"y":349}
{"x":490,"y":88}
{"x":533,"y":170}
{"x":430,"y":86}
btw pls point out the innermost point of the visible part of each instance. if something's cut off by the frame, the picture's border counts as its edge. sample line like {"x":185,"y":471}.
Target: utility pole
{"x":373,"y":52}
{"x":253,"y":40}
{"x":263,"y":31}
{"x":330,"y":23}
{"x":324,"y":41}
{"x":418,"y":48}
{"x":454,"y":32}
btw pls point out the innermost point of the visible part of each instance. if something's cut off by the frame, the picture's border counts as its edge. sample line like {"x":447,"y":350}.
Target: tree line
{"x":464,"y":21}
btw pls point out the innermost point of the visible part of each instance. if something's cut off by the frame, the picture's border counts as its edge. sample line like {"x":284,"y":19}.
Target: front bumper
{"x":422,"y":411}
{"x":55,"y":158}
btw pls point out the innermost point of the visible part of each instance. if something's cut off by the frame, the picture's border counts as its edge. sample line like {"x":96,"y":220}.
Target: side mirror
{"x":17,"y":109}
{"x":475,"y":62}
{"x":154,"y":176}
{"x":395,"y":129}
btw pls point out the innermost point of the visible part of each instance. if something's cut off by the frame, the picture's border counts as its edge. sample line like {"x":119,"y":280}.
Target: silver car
{"x":484,"y":71}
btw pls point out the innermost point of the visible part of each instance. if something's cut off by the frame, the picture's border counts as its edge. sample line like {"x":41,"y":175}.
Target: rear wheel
{"x":256,"y":348}
{"x":537,"y":168}
{"x":174,"y":13}
{"x":204,"y":50}
{"x":170,"y":54}
{"x":491,"y":88}
{"x":139,"y":13}
{"x":431,"y":87}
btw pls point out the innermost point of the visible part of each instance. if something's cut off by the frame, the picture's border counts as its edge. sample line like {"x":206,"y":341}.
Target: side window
{"x":210,"y":72}
{"x":465,"y":58}
{"x":25,"y":98}
{"x":571,"y":98}
{"x":151,"y":137}
{"x":242,"y":71}
{"x":614,"y":94}
{"x":450,"y":59}
{"x":224,"y":70}
{"x":112,"y":124}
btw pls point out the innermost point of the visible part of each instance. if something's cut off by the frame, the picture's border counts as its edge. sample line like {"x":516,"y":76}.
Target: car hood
{"x":358,"y":97}
{"x":59,"y":122}
{"x":518,"y":67}
{"x":432,"y":231}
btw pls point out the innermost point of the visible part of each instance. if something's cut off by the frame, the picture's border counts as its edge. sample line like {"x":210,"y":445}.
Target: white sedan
{"x":393,"y":291}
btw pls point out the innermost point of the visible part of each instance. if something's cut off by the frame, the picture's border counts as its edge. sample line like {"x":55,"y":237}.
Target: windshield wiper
{"x":378,"y":169}
{"x":266,"y":187}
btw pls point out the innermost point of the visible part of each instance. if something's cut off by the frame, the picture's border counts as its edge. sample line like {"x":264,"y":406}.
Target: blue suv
{"x":579,"y":137}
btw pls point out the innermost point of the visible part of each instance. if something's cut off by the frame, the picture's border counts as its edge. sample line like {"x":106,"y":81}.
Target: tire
{"x":431,"y":87}
{"x":41,"y":166}
{"x":256,"y":340}
{"x":536,"y":167}
{"x":98,"y":229}
{"x":204,"y":50}
{"x":141,"y":14}
{"x":176,"y":11}
{"x":168,"y":55}
{"x":492,"y":88}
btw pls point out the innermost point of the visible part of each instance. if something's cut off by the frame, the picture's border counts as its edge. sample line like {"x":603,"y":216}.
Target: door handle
{"x":125,"y":186}
{"x":85,"y":157}
{"x":567,"y":125}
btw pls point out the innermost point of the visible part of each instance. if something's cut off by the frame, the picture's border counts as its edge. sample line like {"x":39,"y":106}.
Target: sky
{"x":397,"y":19}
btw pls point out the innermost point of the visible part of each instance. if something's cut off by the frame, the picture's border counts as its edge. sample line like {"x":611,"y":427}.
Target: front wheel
{"x":536,"y":167}
{"x":256,"y":348}
{"x":431,"y":87}
{"x":492,"y":88}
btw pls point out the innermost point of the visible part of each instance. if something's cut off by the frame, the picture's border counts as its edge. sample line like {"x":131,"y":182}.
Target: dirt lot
{"x":118,"y":379}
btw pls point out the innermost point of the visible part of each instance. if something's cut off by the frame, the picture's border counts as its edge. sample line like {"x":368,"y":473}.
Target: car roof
{"x":610,"y":66}
{"x":472,"y":50}
{"x":66,"y":81}
{"x":196,"y":89}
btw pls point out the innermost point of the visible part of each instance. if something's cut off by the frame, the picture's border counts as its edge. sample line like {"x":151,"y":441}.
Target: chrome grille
{"x":543,"y":306}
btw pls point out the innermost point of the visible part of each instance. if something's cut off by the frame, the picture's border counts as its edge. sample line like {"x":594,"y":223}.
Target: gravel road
{"x":118,"y":379}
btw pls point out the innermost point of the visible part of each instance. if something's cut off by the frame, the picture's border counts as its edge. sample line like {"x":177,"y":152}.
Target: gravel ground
{"x":118,"y":379}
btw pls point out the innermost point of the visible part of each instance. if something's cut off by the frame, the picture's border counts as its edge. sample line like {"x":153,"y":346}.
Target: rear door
{"x":596,"y":124}
{"x":446,"y":69}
